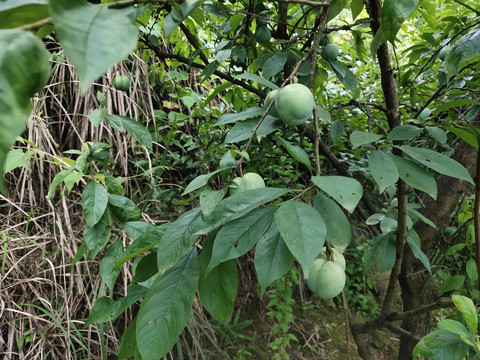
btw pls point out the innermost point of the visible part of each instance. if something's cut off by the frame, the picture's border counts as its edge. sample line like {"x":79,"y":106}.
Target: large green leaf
{"x":128,"y":344}
{"x":274,"y":64}
{"x":94,"y":202}
{"x":15,"y":13}
{"x":241,"y":116}
{"x":124,"y":208}
{"x":244,"y":130}
{"x":404,"y":132}
{"x":218,"y":288}
{"x":132,"y":127}
{"x":297,"y":153}
{"x":236,"y":206}
{"x":383,"y":169}
{"x":469,"y":312}
{"x":166,"y":307}
{"x":24,"y":70}
{"x":438,"y":162}
{"x":272,"y":258}
{"x":177,"y":240}
{"x":239,"y":236}
{"x":200,"y":181}
{"x":415,"y":176}
{"x":107,"y":271}
{"x":303,"y":230}
{"x":338,"y":226}
{"x":464,"y":49}
{"x":106,"y":309}
{"x":346,"y":191}
{"x":359,"y":138}
{"x":413,"y":240}
{"x":394,"y":13}
{"x":441,"y":345}
{"x":98,"y":235}
{"x":344,"y":74}
{"x":258,"y":79}
{"x":94,"y":38}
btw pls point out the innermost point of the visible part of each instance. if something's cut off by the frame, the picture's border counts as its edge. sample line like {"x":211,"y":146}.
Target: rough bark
{"x":414,"y":279}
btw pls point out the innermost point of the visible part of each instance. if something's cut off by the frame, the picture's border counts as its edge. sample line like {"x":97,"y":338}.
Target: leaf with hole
{"x":383,"y":169}
{"x":438,"y":162}
{"x":346,"y":191}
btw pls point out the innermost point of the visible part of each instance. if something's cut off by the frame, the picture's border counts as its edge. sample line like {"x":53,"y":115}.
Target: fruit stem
{"x":329,"y":251}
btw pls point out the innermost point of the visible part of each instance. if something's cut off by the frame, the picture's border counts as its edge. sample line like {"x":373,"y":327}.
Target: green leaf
{"x":421,"y":217}
{"x":464,"y":49}
{"x":441,"y":345}
{"x":243,"y":130}
{"x":128,"y":344}
{"x":107,"y":271}
{"x":178,"y":14}
{"x":124,"y":208}
{"x":166,"y":307}
{"x":239,"y":236}
{"x":146,"y":268}
{"x":303,"y":230}
{"x":467,"y":308}
{"x":274,"y":64}
{"x":393,"y":14}
{"x":24,"y":70}
{"x":415,"y":176}
{"x":272,"y":258}
{"x":236,"y":206}
{"x":143,"y":243}
{"x":438,"y":162}
{"x":356,"y":7}
{"x":218,"y":288}
{"x":209,"y":199}
{"x":438,"y":134}
{"x":258,"y":79}
{"x":346,"y":191}
{"x":383,"y":169}
{"x":135,"y":229}
{"x":98,"y":235}
{"x":94,"y":202}
{"x":338,"y":226}
{"x":106,"y":309}
{"x":200,"y":181}
{"x":359,"y":138}
{"x":404,"y":132}
{"x":454,"y":327}
{"x":90,"y":36}
{"x":469,"y":137}
{"x":241,"y":116}
{"x":17,"y":13}
{"x":97,"y":116}
{"x":346,"y":77}
{"x":132,"y":127}
{"x":451,"y":283}
{"x":381,"y":252}
{"x":337,"y":129}
{"x":472,"y":271}
{"x":176,"y":240}
{"x":417,"y":251}
{"x":17,"y":158}
{"x":297,"y":153}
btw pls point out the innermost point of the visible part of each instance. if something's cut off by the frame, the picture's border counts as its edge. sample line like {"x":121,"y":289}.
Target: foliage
{"x":367,"y":155}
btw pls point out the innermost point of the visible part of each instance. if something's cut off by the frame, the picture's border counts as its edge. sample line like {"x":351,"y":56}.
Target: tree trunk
{"x":414,"y":278}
